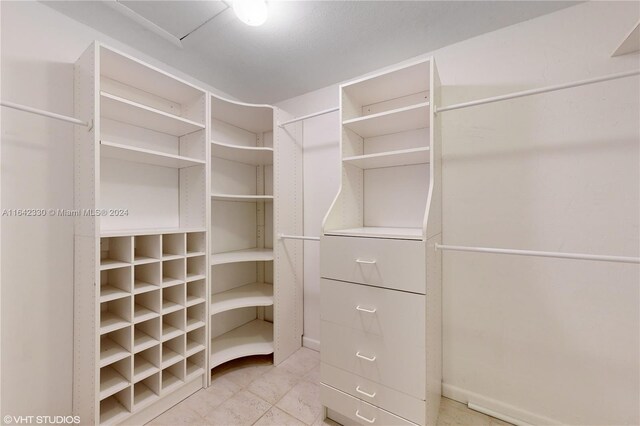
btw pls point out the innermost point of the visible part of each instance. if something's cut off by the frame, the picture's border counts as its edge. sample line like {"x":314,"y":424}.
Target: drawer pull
{"x":358,"y":415}
{"x":370,"y":395}
{"x":359,"y":355}
{"x":369,"y":311}
{"x":366,"y":262}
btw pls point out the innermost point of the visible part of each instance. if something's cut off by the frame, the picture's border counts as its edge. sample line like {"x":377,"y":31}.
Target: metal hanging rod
{"x":304,"y":117}
{"x":44,"y":113}
{"x":297,"y":237}
{"x":537,"y":91}
{"x":575,"y":256}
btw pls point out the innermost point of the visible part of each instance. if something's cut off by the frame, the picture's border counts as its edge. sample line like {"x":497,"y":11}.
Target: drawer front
{"x":397,"y":264}
{"x":401,"y":404}
{"x":387,"y":361}
{"x":356,"y":410}
{"x":383,"y":313}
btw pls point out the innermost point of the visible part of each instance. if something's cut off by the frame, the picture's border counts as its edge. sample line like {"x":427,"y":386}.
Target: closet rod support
{"x":44,"y":113}
{"x":297,"y":237}
{"x":537,"y":91}
{"x":304,"y":117}
{"x":559,"y":255}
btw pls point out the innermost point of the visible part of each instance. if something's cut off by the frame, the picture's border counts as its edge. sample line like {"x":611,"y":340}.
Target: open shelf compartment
{"x":252,"y":338}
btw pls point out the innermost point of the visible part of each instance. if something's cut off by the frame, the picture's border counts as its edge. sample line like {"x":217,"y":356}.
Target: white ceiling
{"x":305,"y":45}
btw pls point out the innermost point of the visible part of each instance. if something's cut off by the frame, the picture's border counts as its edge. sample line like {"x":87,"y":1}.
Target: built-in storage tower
{"x":381,"y":274}
{"x":141,"y":179}
{"x":249,"y":293}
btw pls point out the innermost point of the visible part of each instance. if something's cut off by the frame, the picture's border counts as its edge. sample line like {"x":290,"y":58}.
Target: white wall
{"x":39,"y":48}
{"x":543,"y":340}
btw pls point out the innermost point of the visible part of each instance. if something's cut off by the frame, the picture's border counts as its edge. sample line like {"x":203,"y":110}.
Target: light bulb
{"x":251,"y":12}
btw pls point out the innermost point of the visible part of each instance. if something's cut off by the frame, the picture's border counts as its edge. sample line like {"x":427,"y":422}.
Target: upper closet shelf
{"x":230,"y":197}
{"x":149,"y":231}
{"x":146,"y":156}
{"x":126,"y":111}
{"x":254,"y":294}
{"x":255,"y":156}
{"x":380,"y":232}
{"x":392,"y":121}
{"x":248,"y":255}
{"x":403,"y":157}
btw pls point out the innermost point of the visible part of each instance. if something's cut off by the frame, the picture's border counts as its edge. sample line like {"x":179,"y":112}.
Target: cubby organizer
{"x":140,"y":332}
{"x":381,"y":275}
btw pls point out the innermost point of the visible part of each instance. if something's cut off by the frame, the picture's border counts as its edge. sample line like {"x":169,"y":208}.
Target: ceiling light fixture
{"x":251,"y":12}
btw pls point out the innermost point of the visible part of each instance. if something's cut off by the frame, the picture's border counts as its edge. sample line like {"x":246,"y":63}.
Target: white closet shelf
{"x":252,"y":338}
{"x":150,"y":231}
{"x":111,"y":322}
{"x":142,"y":313}
{"x":169,"y":306}
{"x":193,"y":370}
{"x":170,"y":357}
{"x":169,"y":382}
{"x":106,"y":264}
{"x":248,"y":255}
{"x":143,"y":369}
{"x":109,"y":292}
{"x":143,"y":287}
{"x":169,"y":332}
{"x":112,"y":412}
{"x":143,"y":341}
{"x":380,"y":232}
{"x":170,"y":282}
{"x":194,"y":324}
{"x":195,"y":253}
{"x":111,"y":382}
{"x":194,"y":347}
{"x":126,"y":111}
{"x":403,"y":157}
{"x":194,"y":277}
{"x":194,"y":300}
{"x":111,"y":352}
{"x":146,"y":156}
{"x":141,"y":260}
{"x":253,"y":155}
{"x":393,"y":121}
{"x":254,"y":294}
{"x":143,"y":396}
{"x":245,"y":198}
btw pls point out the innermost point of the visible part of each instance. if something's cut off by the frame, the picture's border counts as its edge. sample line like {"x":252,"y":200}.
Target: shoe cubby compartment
{"x":115,"y":314}
{"x":147,"y":306}
{"x":116,"y":407}
{"x":173,"y":325}
{"x":172,"y":377}
{"x":146,"y":363}
{"x":194,"y":365}
{"x":115,"y":252}
{"x":173,"y":299}
{"x":196,"y":316}
{"x":173,"y":272}
{"x":147,"y":248}
{"x":115,"y":377}
{"x":146,"y":391}
{"x":173,"y":246}
{"x":115,"y":346}
{"x":173,"y":351}
{"x":196,"y":244}
{"x":196,"y":268}
{"x":146,"y":335}
{"x":195,"y":341}
{"x":196,"y":292}
{"x":147,"y":277}
{"x":115,"y":283}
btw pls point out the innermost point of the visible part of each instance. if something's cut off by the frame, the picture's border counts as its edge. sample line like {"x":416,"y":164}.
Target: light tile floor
{"x":251,"y":391}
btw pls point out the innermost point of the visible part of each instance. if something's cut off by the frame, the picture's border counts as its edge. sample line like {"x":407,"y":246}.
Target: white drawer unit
{"x":389,"y":263}
{"x":381,"y":275}
{"x":397,"y":316}
{"x":374,"y":393}
{"x":357,"y":410}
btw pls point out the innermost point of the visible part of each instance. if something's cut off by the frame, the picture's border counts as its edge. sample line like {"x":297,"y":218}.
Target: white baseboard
{"x":526,"y":417}
{"x":311,"y":343}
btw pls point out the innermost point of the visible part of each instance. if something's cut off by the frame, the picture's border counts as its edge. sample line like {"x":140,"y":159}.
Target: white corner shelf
{"x":126,"y":111}
{"x":252,"y":155}
{"x":111,"y":382}
{"x":393,"y":121}
{"x":111,"y":352}
{"x":254,"y":294}
{"x":403,"y":157}
{"x":252,"y":338}
{"x":248,"y":255}
{"x":379,"y":232}
{"x":243,"y":198}
{"x":146,"y":156}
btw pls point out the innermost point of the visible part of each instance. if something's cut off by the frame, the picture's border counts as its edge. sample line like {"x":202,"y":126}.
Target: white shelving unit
{"x":141,"y":330}
{"x":378,"y":246}
{"x":252,"y":338}
{"x":253,"y":155}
